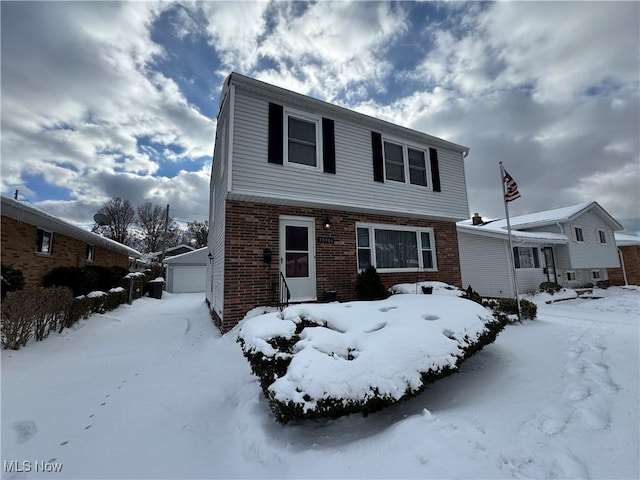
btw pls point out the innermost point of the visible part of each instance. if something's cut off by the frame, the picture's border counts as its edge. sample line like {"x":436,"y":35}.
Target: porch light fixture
{"x":210,"y":257}
{"x":326,"y":224}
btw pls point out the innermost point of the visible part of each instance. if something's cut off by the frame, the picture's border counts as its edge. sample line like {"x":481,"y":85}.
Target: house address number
{"x":325,"y":240}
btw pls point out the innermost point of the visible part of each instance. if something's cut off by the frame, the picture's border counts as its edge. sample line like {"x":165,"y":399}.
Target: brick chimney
{"x":476,"y":219}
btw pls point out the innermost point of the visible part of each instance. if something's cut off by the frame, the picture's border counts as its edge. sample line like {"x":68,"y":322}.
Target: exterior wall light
{"x":326,"y":224}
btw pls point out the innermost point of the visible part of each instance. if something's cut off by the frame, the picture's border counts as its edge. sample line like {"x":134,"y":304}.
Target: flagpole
{"x":513,"y":262}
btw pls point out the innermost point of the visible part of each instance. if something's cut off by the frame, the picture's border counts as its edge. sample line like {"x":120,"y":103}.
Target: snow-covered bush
{"x":329,"y":360}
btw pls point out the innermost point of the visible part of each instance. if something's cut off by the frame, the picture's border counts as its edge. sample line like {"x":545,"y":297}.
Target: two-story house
{"x":571,"y":246}
{"x":305,"y":194}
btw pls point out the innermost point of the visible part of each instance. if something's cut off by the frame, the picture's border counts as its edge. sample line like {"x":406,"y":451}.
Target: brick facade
{"x":252,"y":227}
{"x":18,"y":250}
{"x":631,"y":258}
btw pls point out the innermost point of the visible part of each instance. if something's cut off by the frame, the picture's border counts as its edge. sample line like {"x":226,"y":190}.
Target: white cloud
{"x":79,"y":90}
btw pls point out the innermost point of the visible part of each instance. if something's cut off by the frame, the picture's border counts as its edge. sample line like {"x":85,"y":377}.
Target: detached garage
{"x":187,"y":272}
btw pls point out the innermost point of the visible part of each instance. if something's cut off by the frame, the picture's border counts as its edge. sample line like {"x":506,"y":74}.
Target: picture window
{"x":389,"y":248}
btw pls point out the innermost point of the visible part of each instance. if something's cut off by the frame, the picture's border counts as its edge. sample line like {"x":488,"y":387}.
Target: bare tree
{"x":151,"y":220}
{"x":197,"y":233}
{"x":121,"y":214}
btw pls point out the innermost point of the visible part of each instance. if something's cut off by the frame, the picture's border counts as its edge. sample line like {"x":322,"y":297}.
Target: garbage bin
{"x":155,"y":287}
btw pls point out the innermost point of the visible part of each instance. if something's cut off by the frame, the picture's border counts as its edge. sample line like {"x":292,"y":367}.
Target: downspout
{"x":624,"y":270}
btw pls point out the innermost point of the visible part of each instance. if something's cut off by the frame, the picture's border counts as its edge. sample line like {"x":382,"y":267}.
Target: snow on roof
{"x":198,"y":256}
{"x":538,"y":219}
{"x":625,"y":240}
{"x":34,"y":216}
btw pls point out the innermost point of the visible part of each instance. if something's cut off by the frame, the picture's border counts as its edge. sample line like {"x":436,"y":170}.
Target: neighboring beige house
{"x":573,"y":246}
{"x":37,"y":242}
{"x":305,"y":194}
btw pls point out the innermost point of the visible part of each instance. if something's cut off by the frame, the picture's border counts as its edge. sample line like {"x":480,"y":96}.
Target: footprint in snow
{"x":386,"y":309}
{"x":25,"y":430}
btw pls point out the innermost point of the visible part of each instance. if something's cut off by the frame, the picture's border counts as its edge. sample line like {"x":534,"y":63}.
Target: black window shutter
{"x":378,"y":159}
{"x":435,"y":169}
{"x":328,"y":145}
{"x":536,"y":259}
{"x":276,"y":134}
{"x":516,"y":257}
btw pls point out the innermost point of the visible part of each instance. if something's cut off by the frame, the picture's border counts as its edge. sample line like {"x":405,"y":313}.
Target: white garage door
{"x":189,"y":278}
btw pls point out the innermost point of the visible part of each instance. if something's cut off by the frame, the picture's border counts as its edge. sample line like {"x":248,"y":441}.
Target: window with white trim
{"x":391,"y":248}
{"x":571,"y":276}
{"x":405,"y":164}
{"x":595,"y":274}
{"x":91,"y":253}
{"x":303,"y":141}
{"x":602,"y":236}
{"x":44,"y":241}
{"x":526,"y":257}
{"x":578,"y":234}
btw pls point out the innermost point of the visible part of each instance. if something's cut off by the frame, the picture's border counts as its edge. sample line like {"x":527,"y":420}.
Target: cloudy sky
{"x":119,"y":99}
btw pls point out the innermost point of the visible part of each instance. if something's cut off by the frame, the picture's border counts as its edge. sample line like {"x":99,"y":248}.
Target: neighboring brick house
{"x":305,"y":194}
{"x":629,"y":252}
{"x":37,"y":242}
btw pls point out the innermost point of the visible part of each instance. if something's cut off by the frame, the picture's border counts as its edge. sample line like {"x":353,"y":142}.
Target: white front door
{"x":298,"y":256}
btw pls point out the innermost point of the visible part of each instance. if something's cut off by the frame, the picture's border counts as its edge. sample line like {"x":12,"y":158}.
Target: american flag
{"x":512,"y":188}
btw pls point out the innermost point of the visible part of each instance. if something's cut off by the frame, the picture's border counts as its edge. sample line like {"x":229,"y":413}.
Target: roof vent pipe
{"x":476,"y":219}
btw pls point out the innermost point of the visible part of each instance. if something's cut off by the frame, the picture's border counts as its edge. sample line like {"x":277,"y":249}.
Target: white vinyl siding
{"x":218,"y":192}
{"x":484,"y":266}
{"x":351,"y":187}
{"x":590,"y":253}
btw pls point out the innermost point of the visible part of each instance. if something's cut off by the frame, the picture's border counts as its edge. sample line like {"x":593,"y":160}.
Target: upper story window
{"x":299,"y":138}
{"x":392,"y":248}
{"x":44,"y":241}
{"x":91,"y":253}
{"x":395,"y":161}
{"x":602,"y":236}
{"x":578,"y":234}
{"x":302,"y":141}
{"x":526,"y":257}
{"x":404,"y":164}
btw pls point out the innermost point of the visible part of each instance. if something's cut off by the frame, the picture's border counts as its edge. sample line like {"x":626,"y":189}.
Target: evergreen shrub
{"x":270,"y":368}
{"x":12,"y":280}
{"x":549,"y":287}
{"x":87,"y":279}
{"x":369,"y":285}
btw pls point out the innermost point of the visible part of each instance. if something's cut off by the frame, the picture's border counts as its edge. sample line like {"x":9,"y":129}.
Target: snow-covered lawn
{"x":152,"y":390}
